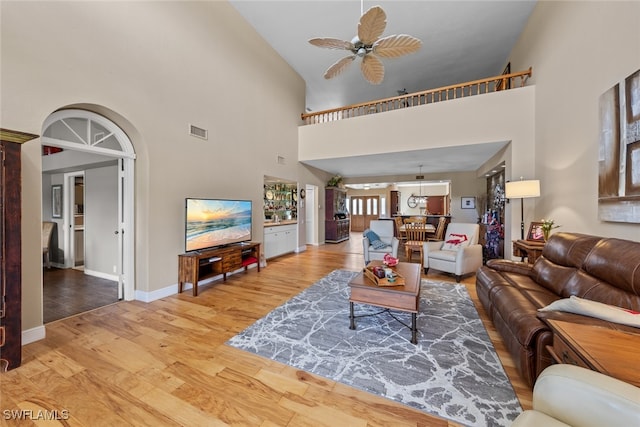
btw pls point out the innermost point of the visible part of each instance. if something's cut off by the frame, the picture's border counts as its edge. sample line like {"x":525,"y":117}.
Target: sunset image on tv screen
{"x":212,"y":222}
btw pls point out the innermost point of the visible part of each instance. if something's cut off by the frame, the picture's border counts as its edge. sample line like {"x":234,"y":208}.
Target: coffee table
{"x":401,"y":298}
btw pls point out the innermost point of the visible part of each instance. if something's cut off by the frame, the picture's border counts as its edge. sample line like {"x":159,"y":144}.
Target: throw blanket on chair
{"x":374,"y":239}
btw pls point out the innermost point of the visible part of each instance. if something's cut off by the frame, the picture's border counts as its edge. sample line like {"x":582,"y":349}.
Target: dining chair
{"x":440,"y":229}
{"x":400,"y":230}
{"x":416,"y":236}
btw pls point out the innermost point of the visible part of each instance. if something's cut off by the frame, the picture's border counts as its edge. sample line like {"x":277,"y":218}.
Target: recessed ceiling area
{"x":463,"y":158}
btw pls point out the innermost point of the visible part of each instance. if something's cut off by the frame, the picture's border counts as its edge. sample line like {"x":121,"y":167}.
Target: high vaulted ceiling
{"x":461,"y":41}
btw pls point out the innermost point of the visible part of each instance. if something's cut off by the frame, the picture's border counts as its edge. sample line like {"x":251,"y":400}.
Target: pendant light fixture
{"x":413,"y":200}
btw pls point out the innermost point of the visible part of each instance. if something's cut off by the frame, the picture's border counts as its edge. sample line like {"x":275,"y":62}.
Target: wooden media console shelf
{"x":194,"y":267}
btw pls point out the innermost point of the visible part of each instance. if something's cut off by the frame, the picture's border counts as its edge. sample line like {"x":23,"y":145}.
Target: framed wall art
{"x":56,"y":201}
{"x":619,"y":152}
{"x":468,"y":202}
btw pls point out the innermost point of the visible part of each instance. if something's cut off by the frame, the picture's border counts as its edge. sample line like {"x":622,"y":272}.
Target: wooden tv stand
{"x":194,"y":267}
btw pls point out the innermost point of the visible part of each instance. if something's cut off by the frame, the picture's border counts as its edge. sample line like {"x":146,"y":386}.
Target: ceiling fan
{"x":369,"y":46}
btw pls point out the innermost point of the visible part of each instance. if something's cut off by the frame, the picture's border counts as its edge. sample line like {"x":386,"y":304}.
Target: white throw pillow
{"x":595,"y":309}
{"x":455,"y":242}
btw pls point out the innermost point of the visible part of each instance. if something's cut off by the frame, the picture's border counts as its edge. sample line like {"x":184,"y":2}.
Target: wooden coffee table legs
{"x":413,"y":327}
{"x":352,"y":318}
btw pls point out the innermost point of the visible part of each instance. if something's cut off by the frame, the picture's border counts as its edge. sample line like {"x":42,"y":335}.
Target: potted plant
{"x":335,"y":181}
{"x":547,"y":226}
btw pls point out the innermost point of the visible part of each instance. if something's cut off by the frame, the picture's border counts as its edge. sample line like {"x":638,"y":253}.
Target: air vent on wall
{"x":198,"y":132}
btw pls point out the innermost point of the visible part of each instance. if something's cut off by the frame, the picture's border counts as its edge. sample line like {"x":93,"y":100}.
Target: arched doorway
{"x":88,"y":133}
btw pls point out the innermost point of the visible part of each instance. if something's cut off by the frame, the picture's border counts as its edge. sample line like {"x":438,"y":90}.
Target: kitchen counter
{"x":283,"y":222}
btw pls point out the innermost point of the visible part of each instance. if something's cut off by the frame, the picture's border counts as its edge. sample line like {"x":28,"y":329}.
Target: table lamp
{"x":522,"y":189}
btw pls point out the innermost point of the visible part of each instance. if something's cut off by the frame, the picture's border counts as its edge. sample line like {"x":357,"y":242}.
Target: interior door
{"x":310,"y":206}
{"x":363,"y":210}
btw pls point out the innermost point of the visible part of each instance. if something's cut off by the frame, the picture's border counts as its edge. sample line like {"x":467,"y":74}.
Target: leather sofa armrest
{"x":511,"y":266}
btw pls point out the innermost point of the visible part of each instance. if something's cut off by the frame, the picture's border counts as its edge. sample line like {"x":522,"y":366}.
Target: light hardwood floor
{"x":165,"y":362}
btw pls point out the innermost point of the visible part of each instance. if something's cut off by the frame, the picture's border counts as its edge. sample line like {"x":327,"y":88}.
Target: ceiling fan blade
{"x":372,"y":69}
{"x":339,"y":67}
{"x":330,"y":43}
{"x":396,"y":45}
{"x":372,"y":25}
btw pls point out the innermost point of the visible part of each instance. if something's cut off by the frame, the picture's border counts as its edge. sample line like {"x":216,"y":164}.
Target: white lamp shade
{"x":522,"y":189}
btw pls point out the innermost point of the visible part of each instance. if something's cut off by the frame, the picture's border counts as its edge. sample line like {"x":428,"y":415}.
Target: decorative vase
{"x":546,"y":234}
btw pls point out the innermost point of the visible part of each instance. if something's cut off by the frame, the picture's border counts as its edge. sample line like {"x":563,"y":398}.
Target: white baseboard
{"x":112,"y":277}
{"x":173,"y":289}
{"x":168,"y":291}
{"x":34,"y":334}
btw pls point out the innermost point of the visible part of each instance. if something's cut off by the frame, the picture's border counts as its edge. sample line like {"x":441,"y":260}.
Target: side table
{"x":528,"y":248}
{"x":608,"y":351}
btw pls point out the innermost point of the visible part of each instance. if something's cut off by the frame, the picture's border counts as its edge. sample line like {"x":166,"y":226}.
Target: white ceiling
{"x":463,"y":158}
{"x":461,"y":41}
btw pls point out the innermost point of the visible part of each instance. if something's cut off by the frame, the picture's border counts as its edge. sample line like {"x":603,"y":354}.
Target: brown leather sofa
{"x":606,"y":270}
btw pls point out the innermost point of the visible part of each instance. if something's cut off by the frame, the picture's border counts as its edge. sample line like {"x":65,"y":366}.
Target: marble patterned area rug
{"x":453,"y":371}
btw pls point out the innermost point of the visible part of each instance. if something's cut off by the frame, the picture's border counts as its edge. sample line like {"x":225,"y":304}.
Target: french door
{"x":363,"y":210}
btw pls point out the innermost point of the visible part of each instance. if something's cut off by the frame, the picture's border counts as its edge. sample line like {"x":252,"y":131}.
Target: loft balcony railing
{"x":461,"y":90}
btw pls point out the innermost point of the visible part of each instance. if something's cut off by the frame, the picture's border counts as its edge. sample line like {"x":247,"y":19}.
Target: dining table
{"x":431,"y":229}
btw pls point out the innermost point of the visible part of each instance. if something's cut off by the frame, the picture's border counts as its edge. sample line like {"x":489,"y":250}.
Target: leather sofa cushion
{"x":552,"y":276}
{"x":616,"y":261}
{"x":585,"y":286}
{"x":570,"y":250}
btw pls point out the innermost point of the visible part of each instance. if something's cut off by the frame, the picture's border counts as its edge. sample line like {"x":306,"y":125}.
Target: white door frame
{"x":127,"y":156}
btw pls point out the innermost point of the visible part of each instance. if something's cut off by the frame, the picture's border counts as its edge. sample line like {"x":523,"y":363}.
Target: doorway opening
{"x":92,"y":159}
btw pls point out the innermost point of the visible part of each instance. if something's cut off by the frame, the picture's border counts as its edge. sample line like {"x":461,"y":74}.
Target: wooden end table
{"x":531,"y":249}
{"x":401,"y":298}
{"x":605,"y":350}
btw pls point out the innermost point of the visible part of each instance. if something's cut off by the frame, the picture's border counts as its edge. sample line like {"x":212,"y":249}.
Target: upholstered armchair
{"x":567,"y":395}
{"x":386,"y":243}
{"x":458,"y":254}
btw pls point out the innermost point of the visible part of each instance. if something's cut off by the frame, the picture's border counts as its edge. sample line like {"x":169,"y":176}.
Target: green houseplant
{"x":335,"y":181}
{"x":547,"y":226}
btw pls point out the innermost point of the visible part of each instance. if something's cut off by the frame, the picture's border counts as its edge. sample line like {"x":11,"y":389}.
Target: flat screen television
{"x":213,"y":223}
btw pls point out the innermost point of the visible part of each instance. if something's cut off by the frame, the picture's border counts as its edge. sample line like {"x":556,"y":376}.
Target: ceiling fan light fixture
{"x":368,"y":45}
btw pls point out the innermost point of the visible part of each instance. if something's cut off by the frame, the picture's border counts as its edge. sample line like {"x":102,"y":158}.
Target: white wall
{"x":578,"y":50}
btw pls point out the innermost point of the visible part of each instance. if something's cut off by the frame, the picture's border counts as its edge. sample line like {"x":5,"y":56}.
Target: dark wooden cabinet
{"x":394,"y":205}
{"x":336,"y":221}
{"x":11,"y":248}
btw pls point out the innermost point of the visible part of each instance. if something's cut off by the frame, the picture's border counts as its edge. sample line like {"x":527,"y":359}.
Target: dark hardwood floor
{"x":67,"y":292}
